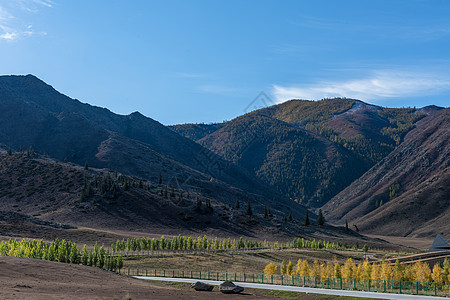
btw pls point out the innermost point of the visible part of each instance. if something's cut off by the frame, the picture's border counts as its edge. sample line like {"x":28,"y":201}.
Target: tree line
{"x":204,"y":243}
{"x":418,"y":271}
{"x":62,"y":251}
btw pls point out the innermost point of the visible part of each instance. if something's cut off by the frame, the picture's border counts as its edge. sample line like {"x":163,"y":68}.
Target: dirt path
{"x":23,"y":278}
{"x":419,"y":243}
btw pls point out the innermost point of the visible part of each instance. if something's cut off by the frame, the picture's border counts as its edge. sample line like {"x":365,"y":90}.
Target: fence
{"x":196,"y":251}
{"x":370,"y":285}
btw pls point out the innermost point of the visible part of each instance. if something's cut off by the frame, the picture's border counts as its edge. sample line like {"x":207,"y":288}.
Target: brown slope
{"x":33,"y":113}
{"x":40,"y":191}
{"x":421,"y":167}
{"x":25,"y":278}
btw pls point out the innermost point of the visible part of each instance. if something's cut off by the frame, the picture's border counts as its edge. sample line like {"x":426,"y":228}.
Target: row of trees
{"x":204,"y":243}
{"x":418,"y":271}
{"x":62,"y":251}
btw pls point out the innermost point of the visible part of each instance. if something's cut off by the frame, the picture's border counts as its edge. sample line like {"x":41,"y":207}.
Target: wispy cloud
{"x":378,"y":85}
{"x":12,"y":26}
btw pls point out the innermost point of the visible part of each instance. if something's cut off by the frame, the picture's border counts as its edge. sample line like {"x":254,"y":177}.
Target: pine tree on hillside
{"x":307,"y":223}
{"x":237,"y":205}
{"x":320,"y":219}
{"x":159,"y":178}
{"x":249,"y":211}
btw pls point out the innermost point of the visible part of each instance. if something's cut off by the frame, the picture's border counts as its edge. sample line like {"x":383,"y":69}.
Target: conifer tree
{"x":320,"y":219}
{"x":249,"y":211}
{"x":237,"y":205}
{"x":437,"y":274}
{"x":198,"y":205}
{"x":283,"y":267}
{"x":159,"y":178}
{"x":290,"y":268}
{"x":307,"y":218}
{"x":446,"y":271}
{"x":337,"y":270}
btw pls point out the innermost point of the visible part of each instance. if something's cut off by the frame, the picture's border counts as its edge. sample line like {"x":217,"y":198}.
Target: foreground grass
{"x":261,"y":292}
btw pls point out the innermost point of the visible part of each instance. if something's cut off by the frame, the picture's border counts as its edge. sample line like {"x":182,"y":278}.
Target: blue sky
{"x":206,"y":61}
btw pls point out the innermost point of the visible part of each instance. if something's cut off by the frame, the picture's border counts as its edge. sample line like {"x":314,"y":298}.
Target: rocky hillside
{"x":407,"y":192}
{"x":37,"y":191}
{"x":309,"y":150}
{"x":33,"y":114}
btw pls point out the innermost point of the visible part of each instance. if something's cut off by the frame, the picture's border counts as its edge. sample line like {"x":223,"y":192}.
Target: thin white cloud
{"x":8,"y":36}
{"x":379,"y":85}
{"x":13,"y":27}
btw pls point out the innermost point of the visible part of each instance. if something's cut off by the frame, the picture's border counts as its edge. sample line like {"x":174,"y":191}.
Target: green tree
{"x":237,"y":205}
{"x":84,"y":256}
{"x":283,"y":267}
{"x":320,"y":219}
{"x":86,"y":165}
{"x":307,"y":218}
{"x":290,"y":268}
{"x":249,"y":211}
{"x":365,"y":248}
{"x":159,"y":178}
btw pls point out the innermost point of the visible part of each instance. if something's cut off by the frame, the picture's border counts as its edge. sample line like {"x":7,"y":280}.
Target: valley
{"x":352,"y":179}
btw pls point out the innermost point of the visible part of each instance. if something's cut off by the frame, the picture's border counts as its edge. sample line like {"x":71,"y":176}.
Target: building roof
{"x":439,"y":244}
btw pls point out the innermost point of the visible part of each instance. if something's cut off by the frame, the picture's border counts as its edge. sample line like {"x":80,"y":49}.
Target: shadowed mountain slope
{"x":32,"y":113}
{"x":406,"y":193}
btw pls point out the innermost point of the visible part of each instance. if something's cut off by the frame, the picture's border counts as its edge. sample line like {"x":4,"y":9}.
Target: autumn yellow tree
{"x":290,"y":268}
{"x":304,"y":270}
{"x":270,"y":269}
{"x":315,"y":269}
{"x":409,"y":273}
{"x":328,"y":271}
{"x":283,"y":267}
{"x":423,"y":272}
{"x":398,"y":271}
{"x":298,"y":267}
{"x":349,"y":269}
{"x":437,"y":274}
{"x":358,"y":271}
{"x":366,"y":270}
{"x":386,"y":271}
{"x":376,"y":271}
{"x":446,"y":271}
{"x":337,"y":270}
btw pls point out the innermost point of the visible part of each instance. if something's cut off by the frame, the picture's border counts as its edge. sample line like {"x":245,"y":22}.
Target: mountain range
{"x":368,"y":165}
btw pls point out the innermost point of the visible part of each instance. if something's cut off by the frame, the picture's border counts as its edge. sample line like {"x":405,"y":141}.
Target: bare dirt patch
{"x":36,"y":279}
